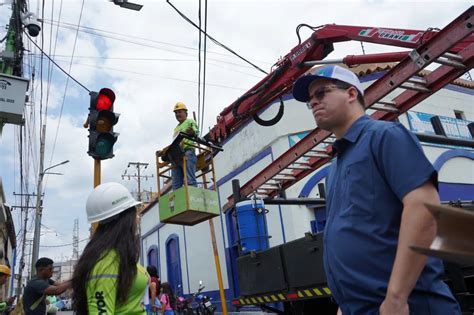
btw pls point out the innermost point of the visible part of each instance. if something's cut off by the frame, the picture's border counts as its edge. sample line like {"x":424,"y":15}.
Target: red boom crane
{"x":451,"y":47}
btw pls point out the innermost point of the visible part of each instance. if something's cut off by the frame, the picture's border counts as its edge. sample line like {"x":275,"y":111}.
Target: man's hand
{"x":11,"y":299}
{"x":190,"y":131}
{"x":393,"y":306}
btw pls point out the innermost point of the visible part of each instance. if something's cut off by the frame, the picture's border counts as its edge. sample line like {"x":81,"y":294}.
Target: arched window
{"x":152,"y":257}
{"x":173,"y":262}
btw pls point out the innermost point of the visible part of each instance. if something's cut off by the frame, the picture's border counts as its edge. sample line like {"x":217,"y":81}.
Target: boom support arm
{"x":316,"y":47}
{"x":455,"y":42}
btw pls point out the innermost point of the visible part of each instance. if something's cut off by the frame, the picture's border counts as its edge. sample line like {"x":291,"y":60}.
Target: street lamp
{"x":39,"y":213}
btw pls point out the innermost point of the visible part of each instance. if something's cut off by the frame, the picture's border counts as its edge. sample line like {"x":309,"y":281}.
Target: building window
{"x":152,"y":257}
{"x":173,"y":262}
{"x":459,"y":114}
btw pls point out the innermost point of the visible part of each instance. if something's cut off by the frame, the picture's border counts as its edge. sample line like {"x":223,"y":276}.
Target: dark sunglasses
{"x":319,"y":94}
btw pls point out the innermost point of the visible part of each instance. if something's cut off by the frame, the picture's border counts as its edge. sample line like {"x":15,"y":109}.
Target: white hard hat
{"x":108,"y":200}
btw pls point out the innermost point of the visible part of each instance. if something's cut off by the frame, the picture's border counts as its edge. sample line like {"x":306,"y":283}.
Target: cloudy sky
{"x":149,"y":58}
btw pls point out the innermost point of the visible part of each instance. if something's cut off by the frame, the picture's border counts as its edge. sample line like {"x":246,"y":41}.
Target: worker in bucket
{"x":378,"y":184}
{"x":107,"y":278}
{"x":190,"y":127}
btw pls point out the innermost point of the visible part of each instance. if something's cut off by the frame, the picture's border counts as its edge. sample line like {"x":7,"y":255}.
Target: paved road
{"x":64,"y":313}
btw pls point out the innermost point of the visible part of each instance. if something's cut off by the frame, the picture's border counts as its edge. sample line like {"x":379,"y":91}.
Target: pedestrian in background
{"x":377,"y":187}
{"x":153,"y":290}
{"x":107,"y":278}
{"x":5,"y":273}
{"x":167,"y":299}
{"x":36,"y":290}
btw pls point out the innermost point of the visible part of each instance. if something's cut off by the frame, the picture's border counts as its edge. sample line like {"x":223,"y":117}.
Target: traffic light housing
{"x":101,"y":124}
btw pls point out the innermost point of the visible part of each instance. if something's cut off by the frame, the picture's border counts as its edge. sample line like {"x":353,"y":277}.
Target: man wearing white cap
{"x":376,"y":189}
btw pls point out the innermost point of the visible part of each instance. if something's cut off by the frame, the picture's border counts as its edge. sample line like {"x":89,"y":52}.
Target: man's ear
{"x":352,"y":94}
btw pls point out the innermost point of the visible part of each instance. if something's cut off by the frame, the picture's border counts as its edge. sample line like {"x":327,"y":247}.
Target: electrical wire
{"x":158,"y":59}
{"x":146,"y":59}
{"x":41,"y":67}
{"x":199,"y":66}
{"x":67,"y":84}
{"x":204,"y":69}
{"x":60,"y":68}
{"x":91,"y":30}
{"x":214,"y":40}
{"x":63,"y":245}
{"x":157,"y":76}
{"x":50,"y":73}
{"x":147,"y":44}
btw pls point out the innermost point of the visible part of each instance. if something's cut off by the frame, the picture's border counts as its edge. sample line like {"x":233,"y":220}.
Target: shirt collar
{"x":354,"y":131}
{"x":351,"y":135}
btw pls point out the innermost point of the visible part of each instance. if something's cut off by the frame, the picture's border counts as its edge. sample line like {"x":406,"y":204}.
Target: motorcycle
{"x":183,"y":305}
{"x":204,"y":304}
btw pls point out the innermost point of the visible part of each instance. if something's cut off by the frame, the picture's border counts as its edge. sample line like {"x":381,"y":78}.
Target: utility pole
{"x":23,"y":209}
{"x":75,"y":240}
{"x":138,"y":175}
{"x":39,"y":200}
{"x":32,"y":271}
{"x":11,"y":59}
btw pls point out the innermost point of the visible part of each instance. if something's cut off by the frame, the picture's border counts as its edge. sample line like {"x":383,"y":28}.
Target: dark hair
{"x":152,"y":271}
{"x":345,"y":86}
{"x":43,"y":262}
{"x":169,"y":292}
{"x":119,"y":234}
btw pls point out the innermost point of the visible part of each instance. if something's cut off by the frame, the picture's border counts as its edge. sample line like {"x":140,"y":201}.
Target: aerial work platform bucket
{"x":187,"y":205}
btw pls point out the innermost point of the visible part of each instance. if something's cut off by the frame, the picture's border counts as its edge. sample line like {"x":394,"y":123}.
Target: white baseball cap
{"x":300,"y":88}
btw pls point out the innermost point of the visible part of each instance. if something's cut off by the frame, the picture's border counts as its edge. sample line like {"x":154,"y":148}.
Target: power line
{"x":199,"y":64}
{"x":157,"y":59}
{"x":60,"y":68}
{"x":214,"y":40}
{"x":50,"y":73}
{"x":67,"y":84}
{"x":92,"y":30}
{"x":138,"y":176}
{"x":147,"y":45}
{"x":204,"y":68}
{"x":64,"y":245}
{"x":157,"y":76}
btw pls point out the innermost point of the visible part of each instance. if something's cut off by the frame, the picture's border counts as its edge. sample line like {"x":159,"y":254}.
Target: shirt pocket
{"x":358,"y":188}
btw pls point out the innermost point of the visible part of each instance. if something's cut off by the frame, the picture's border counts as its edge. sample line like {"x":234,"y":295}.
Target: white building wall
{"x":149,"y":220}
{"x":458,"y":170}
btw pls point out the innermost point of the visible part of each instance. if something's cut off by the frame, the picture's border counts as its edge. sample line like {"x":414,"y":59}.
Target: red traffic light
{"x":105,"y":100}
{"x":101,"y":121}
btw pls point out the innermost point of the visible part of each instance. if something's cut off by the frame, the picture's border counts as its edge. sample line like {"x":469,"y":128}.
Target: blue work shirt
{"x":377,"y":164}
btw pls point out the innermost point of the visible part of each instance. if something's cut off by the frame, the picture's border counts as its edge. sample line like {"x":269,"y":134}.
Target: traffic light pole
{"x":97,"y":171}
{"x":215,"y":249}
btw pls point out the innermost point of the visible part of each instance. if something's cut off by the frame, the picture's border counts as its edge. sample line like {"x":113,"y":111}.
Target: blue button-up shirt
{"x":377,"y":164}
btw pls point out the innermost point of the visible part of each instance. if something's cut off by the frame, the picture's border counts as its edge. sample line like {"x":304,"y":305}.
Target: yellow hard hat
{"x":179,"y":106}
{"x":5,"y":270}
